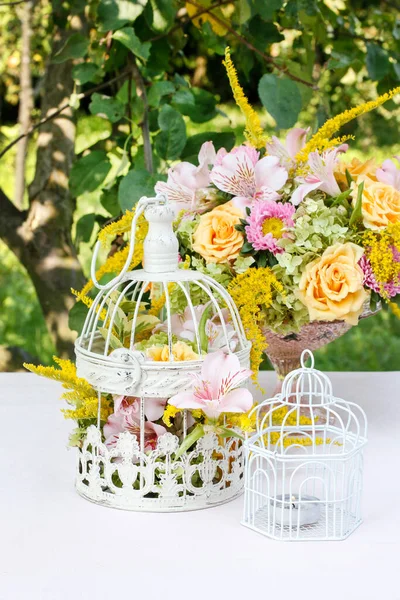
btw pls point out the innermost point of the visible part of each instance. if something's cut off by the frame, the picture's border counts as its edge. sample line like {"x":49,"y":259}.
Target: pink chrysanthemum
{"x":267,"y":224}
{"x":387,"y":290}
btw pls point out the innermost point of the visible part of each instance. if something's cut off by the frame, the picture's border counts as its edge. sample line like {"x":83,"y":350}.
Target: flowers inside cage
{"x":164,"y":350}
{"x":304,"y":464}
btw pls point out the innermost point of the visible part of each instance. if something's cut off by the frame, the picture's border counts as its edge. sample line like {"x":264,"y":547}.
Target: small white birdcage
{"x":304,"y":464}
{"x":140,"y":471}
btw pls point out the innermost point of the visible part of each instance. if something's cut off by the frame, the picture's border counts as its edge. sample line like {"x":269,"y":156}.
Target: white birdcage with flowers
{"x":304,"y":467}
{"x":133,"y":460}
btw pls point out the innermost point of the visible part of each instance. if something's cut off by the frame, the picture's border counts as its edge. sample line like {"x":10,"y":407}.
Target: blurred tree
{"x":139,"y":71}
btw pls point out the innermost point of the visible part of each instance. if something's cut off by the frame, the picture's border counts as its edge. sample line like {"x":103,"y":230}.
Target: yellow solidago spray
{"x":322,"y":139}
{"x":252,"y":292}
{"x":254,"y":132}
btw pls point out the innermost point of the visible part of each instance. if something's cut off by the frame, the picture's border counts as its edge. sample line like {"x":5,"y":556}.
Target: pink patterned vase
{"x":284,"y":351}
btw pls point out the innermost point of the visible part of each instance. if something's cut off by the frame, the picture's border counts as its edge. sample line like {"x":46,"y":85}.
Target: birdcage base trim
{"x":184,"y":504}
{"x":320,"y":531}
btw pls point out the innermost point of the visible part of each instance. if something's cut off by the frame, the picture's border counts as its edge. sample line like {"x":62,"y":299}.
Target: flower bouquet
{"x":295,"y":219}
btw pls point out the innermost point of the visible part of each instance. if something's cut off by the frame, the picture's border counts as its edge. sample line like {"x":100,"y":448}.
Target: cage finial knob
{"x":161,"y":246}
{"x":305,"y":355}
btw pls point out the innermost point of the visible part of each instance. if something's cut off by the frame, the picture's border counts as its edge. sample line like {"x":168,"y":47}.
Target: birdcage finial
{"x":305,"y":355}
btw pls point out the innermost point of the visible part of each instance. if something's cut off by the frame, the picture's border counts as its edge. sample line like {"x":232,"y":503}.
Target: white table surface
{"x":56,"y":546}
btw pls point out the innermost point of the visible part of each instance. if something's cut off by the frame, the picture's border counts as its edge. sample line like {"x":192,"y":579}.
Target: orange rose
{"x":380,"y":205}
{"x":331,"y":287}
{"x":357,"y":169}
{"x":216,"y":238}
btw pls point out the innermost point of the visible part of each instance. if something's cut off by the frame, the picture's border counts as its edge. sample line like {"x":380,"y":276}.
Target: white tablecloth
{"x":56,"y":546}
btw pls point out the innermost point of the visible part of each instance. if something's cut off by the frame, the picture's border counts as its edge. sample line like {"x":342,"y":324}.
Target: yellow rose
{"x":180,"y":351}
{"x":216,"y":238}
{"x":357,"y":169}
{"x":380,"y":205}
{"x":331,"y":287}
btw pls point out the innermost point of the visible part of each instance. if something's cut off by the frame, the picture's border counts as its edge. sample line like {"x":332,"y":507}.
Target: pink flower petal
{"x":154,"y":408}
{"x":185,"y":400}
{"x":235,"y":173}
{"x":217,"y":368}
{"x":295,"y":140}
{"x":270,"y":174}
{"x":302,"y":191}
{"x":237,"y":401}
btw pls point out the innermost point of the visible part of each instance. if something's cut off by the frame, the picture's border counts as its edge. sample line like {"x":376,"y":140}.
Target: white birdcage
{"x":304,"y":464}
{"x":133,"y":474}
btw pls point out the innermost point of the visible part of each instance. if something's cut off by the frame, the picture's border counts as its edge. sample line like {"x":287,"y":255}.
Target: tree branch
{"x":141,"y":92}
{"x":54,"y":114}
{"x":11,"y":221}
{"x":249,"y":45}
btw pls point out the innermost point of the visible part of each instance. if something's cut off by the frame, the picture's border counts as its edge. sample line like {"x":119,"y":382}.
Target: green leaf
{"x":356,"y":215}
{"x":113,"y":14}
{"x":123,"y":92}
{"x":77,"y":316}
{"x":183,"y":100}
{"x":172,"y":139}
{"x":202,"y":109}
{"x":89,"y":172}
{"x":189,"y":440}
{"x":135,"y":184}
{"x":109,"y":201}
{"x":220,"y":140}
{"x":202,"y":327}
{"x":281,"y":98}
{"x":90,"y":129}
{"x":349,"y":178}
{"x":75,"y":47}
{"x":111,"y":108}
{"x":160,"y":14}
{"x":225,"y":432}
{"x":130,"y":40}
{"x":378,"y":63}
{"x":341,"y":198}
{"x":86,"y":72}
{"x":266,"y":9}
{"x":84,"y":228}
{"x":246,"y":248}
{"x":159,"y":89}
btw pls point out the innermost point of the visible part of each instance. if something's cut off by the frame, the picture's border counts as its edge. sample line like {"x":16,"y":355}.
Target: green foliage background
{"x":300,"y":61}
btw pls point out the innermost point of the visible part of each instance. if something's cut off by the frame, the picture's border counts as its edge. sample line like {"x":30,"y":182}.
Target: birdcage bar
{"x":184,"y":287}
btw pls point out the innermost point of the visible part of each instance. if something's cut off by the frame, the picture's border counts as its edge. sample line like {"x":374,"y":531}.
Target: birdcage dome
{"x":310,"y":410}
{"x":114,"y":368}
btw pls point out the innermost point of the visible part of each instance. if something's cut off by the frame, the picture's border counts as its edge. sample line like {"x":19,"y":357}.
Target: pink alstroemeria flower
{"x":214,"y":391}
{"x":294,"y":142}
{"x":130,"y":405}
{"x":185,"y":179}
{"x":321,"y":176}
{"x":119,"y":422}
{"x":242,"y":174}
{"x":389,"y":173}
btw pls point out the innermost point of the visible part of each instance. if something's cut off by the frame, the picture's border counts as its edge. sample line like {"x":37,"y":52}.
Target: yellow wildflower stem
{"x":252,"y":292}
{"x":254,"y":132}
{"x":320,"y":139}
{"x":66,"y":374}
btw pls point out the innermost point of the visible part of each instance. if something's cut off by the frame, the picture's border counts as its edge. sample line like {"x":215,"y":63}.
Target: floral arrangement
{"x":296,"y":233}
{"x":323,"y":230}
